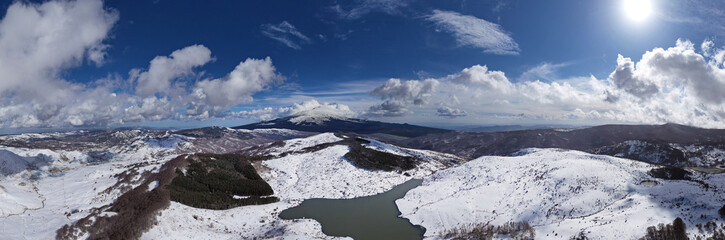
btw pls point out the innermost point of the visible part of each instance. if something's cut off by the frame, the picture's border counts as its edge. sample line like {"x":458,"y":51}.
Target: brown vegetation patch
{"x":219,"y":177}
{"x":135,"y":209}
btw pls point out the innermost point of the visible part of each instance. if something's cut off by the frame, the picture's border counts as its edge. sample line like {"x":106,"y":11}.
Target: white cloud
{"x":451,"y":112}
{"x":211,"y":97}
{"x":149,"y":109}
{"x":163,"y":70}
{"x":663,"y":70}
{"x":480,"y":77}
{"x":417,"y":92}
{"x":475,"y":32}
{"x":676,"y":84}
{"x":397,"y":94}
{"x":286,"y":34}
{"x":38,"y":41}
{"x":389,"y":108}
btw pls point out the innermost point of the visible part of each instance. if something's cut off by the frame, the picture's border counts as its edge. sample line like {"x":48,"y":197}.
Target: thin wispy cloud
{"x":543,"y":72}
{"x":475,"y":32}
{"x":364,"y":7}
{"x":707,"y":16}
{"x":286,"y":34}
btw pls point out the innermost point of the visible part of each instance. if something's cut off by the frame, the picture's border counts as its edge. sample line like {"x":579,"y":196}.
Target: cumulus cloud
{"x":162,"y":70}
{"x":397,"y":94}
{"x":475,"y":32}
{"x":272,"y":113}
{"x":480,"y":77}
{"x":389,"y":109}
{"x":249,"y":77}
{"x":148,"y":109}
{"x":417,"y":92}
{"x":39,"y":42}
{"x":286,"y":34}
{"x":676,"y":84}
{"x":451,"y":112}
{"x":363,"y":7}
{"x":660,"y":70}
{"x":625,"y":79}
{"x":486,"y":90}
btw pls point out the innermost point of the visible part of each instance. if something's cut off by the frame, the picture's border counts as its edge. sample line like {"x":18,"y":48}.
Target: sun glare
{"x":638,"y":10}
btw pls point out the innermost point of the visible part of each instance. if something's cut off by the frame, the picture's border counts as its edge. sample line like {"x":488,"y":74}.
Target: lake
{"x":371,"y":217}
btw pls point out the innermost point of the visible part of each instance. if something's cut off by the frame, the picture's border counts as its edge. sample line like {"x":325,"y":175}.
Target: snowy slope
{"x":298,"y":144}
{"x":37,"y":201}
{"x":560,"y":193}
{"x":43,"y":189}
{"x":295,"y":177}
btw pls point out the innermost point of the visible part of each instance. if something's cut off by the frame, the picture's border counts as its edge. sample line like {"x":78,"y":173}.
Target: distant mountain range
{"x":669,"y":144}
{"x":320,"y":120}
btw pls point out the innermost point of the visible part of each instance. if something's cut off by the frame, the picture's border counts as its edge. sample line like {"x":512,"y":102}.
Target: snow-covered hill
{"x":295,"y":176}
{"x":36,"y":202}
{"x":561,"y":194}
{"x":42,"y":189}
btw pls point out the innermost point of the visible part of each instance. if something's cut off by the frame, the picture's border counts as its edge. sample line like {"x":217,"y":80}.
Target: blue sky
{"x":451,"y":62}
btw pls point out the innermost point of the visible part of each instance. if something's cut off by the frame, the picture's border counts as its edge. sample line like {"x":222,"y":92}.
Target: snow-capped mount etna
{"x":325,"y":120}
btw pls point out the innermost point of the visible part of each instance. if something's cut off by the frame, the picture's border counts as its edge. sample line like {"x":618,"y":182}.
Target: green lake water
{"x":372,"y":217}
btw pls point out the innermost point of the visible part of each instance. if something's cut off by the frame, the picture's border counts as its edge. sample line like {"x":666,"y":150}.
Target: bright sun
{"x":638,"y":10}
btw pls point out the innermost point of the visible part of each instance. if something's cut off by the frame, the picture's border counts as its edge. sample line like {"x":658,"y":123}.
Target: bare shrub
{"x":486,"y":231}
